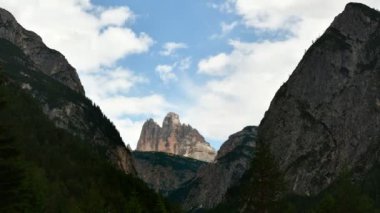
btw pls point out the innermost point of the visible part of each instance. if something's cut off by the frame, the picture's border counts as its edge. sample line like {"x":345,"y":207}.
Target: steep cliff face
{"x":175,"y":138}
{"x":46,"y":76}
{"x":213,"y":180}
{"x":165,"y":172}
{"x":48,"y":61}
{"x":326,"y":117}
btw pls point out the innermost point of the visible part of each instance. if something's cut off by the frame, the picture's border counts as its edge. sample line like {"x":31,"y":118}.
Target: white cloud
{"x":116,"y":16}
{"x":119,"y":108}
{"x":110,"y":90}
{"x":217,"y":65}
{"x":252,"y":72}
{"x":170,"y":48}
{"x":166,"y":73}
{"x":89,"y":36}
{"x":184,"y":64}
{"x":110,"y":82}
{"x":226,"y":7}
{"x":273,"y":14}
{"x":226,"y":28}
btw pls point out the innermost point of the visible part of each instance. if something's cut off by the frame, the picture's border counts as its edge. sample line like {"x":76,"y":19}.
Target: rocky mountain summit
{"x":175,"y":138}
{"x":46,"y":75}
{"x":326,"y":118}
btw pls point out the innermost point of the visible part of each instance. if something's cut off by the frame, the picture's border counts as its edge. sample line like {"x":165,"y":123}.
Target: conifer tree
{"x":266,"y":182}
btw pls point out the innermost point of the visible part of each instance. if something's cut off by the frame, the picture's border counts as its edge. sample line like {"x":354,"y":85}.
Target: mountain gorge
{"x":322,"y":123}
{"x":60,"y":153}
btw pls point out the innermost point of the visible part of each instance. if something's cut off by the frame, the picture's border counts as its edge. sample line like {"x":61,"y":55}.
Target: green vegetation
{"x":169,"y":160}
{"x":342,"y":196}
{"x":266,"y":181}
{"x":260,"y":187}
{"x":346,"y":197}
{"x":45,"y":169}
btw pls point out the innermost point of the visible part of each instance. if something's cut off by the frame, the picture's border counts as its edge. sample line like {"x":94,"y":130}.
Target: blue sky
{"x":217,"y":63}
{"x":191,"y":22}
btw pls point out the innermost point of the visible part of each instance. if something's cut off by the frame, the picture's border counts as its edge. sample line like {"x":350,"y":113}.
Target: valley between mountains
{"x":316,"y":150}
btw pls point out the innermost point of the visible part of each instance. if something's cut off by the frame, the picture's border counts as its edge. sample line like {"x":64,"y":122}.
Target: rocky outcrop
{"x":165,"y":172}
{"x":175,"y":138}
{"x":46,"y":76}
{"x":49,"y":61}
{"x":326,"y":117}
{"x":213,"y":180}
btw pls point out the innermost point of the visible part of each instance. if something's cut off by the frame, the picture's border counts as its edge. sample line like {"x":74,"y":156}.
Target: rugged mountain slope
{"x":165,"y":172}
{"x":175,"y":138}
{"x":213,"y":180}
{"x":326,"y":117}
{"x":46,"y":169}
{"x":45,"y":75}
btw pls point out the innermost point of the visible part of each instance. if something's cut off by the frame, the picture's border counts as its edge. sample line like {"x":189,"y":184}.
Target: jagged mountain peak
{"x":46,"y":60}
{"x":175,"y":138}
{"x":171,"y":119}
{"x":360,"y":7}
{"x":357,"y":21}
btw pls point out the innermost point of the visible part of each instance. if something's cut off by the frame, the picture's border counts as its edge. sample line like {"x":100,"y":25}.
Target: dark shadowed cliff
{"x":326,"y":117}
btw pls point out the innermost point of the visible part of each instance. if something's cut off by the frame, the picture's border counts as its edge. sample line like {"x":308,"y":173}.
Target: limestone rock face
{"x":175,"y":138}
{"x":326,"y":117}
{"x":47,"y":60}
{"x":208,"y":188}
